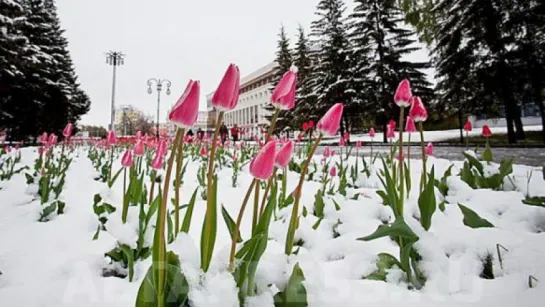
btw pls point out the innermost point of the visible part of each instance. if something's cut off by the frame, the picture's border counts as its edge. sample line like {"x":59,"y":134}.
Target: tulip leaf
{"x":114,"y":178}
{"x":295,"y":294}
{"x":189,"y":213}
{"x":472,"y":219}
{"x":130,"y":259}
{"x":427,"y":203}
{"x":319,"y":204}
{"x":397,"y":229}
{"x":487,"y":154}
{"x":384,"y":262}
{"x":230,"y":224}
{"x":209,"y":231}
{"x":176,"y":286}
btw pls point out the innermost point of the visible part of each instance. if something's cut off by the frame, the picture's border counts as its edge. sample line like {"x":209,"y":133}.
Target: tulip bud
{"x":283,"y":155}
{"x":329,"y":124}
{"x":403,"y":94}
{"x":262,"y":165}
{"x":486,"y":131}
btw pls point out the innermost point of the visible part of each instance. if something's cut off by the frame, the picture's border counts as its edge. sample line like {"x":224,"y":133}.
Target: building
{"x":128,"y":120}
{"x":255,"y":94}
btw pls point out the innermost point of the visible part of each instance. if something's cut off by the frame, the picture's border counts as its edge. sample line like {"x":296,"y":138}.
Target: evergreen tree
{"x":13,"y":50}
{"x":331,"y":76}
{"x":479,"y":31}
{"x":284,"y":60}
{"x":381,"y":46}
{"x":304,"y":100}
{"x":49,"y":96}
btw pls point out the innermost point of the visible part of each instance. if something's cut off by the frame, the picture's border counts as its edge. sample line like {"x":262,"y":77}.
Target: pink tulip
{"x":139,"y":148}
{"x":418,"y":111}
{"x":226,"y":96}
{"x":329,"y":124}
{"x":185,"y":111}
{"x":410,"y":127}
{"x":486,"y":131}
{"x":110,"y":138}
{"x":333,"y":171}
{"x":310,"y":124}
{"x":342,"y":142}
{"x":332,"y":154}
{"x":358,"y":144}
{"x":429,"y":149}
{"x":262,"y":165}
{"x":392,"y":124}
{"x":283,"y":155}
{"x":283,"y":96}
{"x":67,"y":132}
{"x":162,"y":147}
{"x":126,"y":161}
{"x":52,"y":141}
{"x":390,"y":132}
{"x":305,"y":126}
{"x":372,"y":132}
{"x":326,"y":152}
{"x":300,"y":136}
{"x":40,"y":150}
{"x":468,"y":127}
{"x":157,"y":163}
{"x":204,"y":152}
{"x":43,"y":138}
{"x":403,"y":94}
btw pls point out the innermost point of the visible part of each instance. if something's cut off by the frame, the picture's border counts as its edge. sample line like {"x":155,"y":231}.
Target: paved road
{"x":526,"y":156}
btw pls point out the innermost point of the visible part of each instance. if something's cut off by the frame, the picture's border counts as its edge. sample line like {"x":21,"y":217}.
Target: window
{"x":256,"y":119}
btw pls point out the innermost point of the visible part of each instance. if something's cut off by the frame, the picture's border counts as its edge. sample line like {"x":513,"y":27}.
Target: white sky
{"x":172,"y":39}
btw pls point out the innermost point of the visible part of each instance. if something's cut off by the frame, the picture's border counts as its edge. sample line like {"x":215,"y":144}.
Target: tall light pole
{"x":114,"y":58}
{"x":159,"y":88}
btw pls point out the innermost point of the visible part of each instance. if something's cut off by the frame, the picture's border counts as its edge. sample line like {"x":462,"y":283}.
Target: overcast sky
{"x":173,"y":39}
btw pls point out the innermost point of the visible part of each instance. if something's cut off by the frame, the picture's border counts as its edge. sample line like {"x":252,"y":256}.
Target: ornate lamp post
{"x":159,"y":88}
{"x":114,"y":58}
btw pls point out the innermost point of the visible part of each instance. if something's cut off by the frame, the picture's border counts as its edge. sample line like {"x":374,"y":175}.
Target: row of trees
{"x":39,"y":90}
{"x":487,"y":54}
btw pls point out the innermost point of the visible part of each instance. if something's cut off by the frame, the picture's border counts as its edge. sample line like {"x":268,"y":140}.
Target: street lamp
{"x":114,"y":58}
{"x":159,"y":88}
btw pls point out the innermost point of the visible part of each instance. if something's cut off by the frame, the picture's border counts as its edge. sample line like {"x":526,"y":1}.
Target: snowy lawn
{"x":57,"y":263}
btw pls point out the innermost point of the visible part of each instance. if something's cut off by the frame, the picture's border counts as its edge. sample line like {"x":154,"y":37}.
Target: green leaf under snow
{"x":127,"y":251}
{"x":384,"y":262}
{"x":176,"y":287}
{"x":472,"y":219}
{"x":535,"y":201}
{"x":295,"y":294}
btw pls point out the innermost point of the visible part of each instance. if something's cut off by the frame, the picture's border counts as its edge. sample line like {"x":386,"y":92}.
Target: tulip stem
{"x":161,"y":254}
{"x":179,"y":163}
{"x":209,"y":196}
{"x":256,"y":207}
{"x":237,"y":226}
{"x":273,"y":123}
{"x":125,"y":203}
{"x":111,"y":164}
{"x":401,"y":159}
{"x":424,"y":158}
{"x":153,"y":178}
{"x":298,"y":191}
{"x":267,"y":189}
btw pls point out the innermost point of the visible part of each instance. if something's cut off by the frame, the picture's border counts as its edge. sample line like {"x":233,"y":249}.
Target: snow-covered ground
{"x":58,"y":264}
{"x":430,"y":136}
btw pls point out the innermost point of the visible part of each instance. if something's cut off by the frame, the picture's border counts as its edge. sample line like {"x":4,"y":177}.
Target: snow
{"x":58,"y":264}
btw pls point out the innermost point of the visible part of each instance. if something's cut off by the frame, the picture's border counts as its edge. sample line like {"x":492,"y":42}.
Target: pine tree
{"x":305,"y":101}
{"x":480,"y":31}
{"x":381,"y":46}
{"x":49,"y":92}
{"x":284,"y":60}
{"x":13,"y":51}
{"x":331,"y":76}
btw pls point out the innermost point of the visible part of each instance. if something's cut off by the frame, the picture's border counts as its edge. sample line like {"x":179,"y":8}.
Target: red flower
{"x":468,"y":127}
{"x":486,"y":131}
{"x":305,"y":126}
